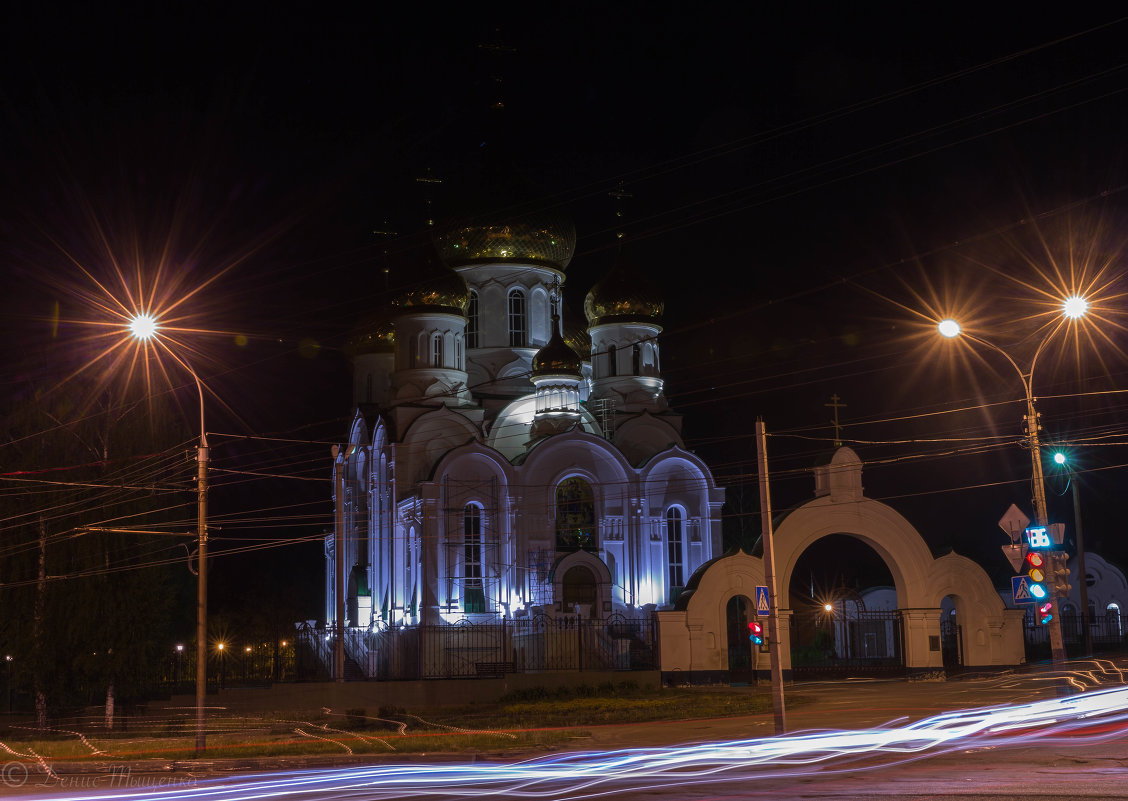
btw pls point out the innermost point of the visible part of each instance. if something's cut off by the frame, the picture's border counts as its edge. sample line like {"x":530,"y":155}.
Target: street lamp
{"x":144,"y":327}
{"x":1087,"y":635}
{"x":1072,"y":308}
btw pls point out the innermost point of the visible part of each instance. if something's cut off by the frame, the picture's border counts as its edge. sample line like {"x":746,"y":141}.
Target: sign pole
{"x":779,"y":709}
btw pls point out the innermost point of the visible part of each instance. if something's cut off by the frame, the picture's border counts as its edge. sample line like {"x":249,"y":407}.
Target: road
{"x":891,"y":740}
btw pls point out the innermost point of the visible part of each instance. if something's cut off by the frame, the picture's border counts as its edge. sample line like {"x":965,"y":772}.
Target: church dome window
{"x":518,"y":319}
{"x":472,"y":323}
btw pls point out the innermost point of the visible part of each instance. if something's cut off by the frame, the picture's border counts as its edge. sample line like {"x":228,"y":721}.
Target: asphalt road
{"x":1044,"y":764}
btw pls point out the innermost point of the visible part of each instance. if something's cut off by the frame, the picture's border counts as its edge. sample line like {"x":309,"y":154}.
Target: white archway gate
{"x":693,"y":636}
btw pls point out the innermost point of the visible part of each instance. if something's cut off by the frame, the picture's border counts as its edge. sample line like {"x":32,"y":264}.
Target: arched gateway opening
{"x":835,"y":629}
{"x":739,"y":612}
{"x":895,"y":621}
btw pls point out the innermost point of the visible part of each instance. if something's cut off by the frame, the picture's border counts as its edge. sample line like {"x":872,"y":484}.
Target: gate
{"x":951,"y":643}
{"x":847,"y":642}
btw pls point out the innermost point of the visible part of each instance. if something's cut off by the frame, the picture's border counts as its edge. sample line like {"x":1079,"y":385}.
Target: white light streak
{"x":1099,"y":714}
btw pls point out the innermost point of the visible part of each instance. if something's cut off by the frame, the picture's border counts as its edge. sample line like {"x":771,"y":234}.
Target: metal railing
{"x":467,"y":649}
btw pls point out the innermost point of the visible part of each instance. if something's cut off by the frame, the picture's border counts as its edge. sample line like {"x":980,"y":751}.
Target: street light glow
{"x":949,"y":328}
{"x":1075,"y":307}
{"x":143,"y":326}
{"x":1059,"y":457}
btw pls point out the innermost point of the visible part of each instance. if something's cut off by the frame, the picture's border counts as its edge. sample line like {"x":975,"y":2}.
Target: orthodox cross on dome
{"x":386,"y":232}
{"x":429,"y":182}
{"x":554,"y":305}
{"x":836,"y":405}
{"x":619,"y":194}
{"x":496,"y":49}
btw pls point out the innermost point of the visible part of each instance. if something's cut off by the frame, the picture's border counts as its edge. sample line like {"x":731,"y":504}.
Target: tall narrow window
{"x":612,"y":360}
{"x":674,"y":538}
{"x":458,"y":353}
{"x":437,"y":350}
{"x":575,"y":516}
{"x":636,"y":360}
{"x":518,"y":321}
{"x":473,"y":591}
{"x":472,"y":321}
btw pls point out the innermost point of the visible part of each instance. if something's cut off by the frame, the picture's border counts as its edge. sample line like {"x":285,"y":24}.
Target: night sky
{"x":812,"y":188}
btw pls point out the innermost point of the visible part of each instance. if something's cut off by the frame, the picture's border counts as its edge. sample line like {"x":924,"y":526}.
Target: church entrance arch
{"x":579,"y":586}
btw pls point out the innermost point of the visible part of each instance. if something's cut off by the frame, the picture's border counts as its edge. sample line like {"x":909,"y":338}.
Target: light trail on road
{"x":1091,"y":716}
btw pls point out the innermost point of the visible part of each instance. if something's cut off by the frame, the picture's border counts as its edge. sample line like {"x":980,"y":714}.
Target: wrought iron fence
{"x":468,"y":649}
{"x":1108,"y":631}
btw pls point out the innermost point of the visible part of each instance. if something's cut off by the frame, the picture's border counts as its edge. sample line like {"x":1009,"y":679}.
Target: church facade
{"x":503,"y":462}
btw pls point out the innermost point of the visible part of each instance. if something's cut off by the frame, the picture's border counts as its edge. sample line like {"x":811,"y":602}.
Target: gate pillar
{"x":922,"y":640}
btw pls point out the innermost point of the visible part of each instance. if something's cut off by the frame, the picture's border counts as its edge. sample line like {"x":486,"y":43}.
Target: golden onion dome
{"x":556,"y":358}
{"x":444,"y":292}
{"x":623,"y":295}
{"x":547,"y":239}
{"x":576,"y":334}
{"x":375,"y":334}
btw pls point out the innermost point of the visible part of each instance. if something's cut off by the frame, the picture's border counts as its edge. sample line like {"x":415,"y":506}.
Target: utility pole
{"x":779,"y":709}
{"x":1059,"y":572}
{"x":339,"y":548}
{"x":201,"y":583}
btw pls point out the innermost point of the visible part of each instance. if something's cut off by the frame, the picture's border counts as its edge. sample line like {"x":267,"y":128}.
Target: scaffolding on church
{"x":604,"y":412}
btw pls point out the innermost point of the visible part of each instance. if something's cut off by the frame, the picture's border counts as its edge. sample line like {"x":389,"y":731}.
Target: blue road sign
{"x":762,"y":607}
{"x":1020,"y":590}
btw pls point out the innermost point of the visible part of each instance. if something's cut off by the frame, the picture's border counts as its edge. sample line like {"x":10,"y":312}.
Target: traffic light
{"x":1061,"y":576}
{"x":756,"y":632}
{"x":1045,"y":612}
{"x":1036,"y":567}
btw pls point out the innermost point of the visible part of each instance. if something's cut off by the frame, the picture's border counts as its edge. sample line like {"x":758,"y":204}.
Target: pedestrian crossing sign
{"x":762,"y":607}
{"x":1020,"y":590}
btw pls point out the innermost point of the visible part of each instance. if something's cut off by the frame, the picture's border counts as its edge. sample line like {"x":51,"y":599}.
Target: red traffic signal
{"x":756,"y":632}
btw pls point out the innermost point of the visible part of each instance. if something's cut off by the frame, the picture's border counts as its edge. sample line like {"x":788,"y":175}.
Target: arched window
{"x":437,"y":350}
{"x":612,"y":357}
{"x":675,"y":539}
{"x":575,"y":516}
{"x":458,"y":365}
{"x":473,"y":591}
{"x":1115,"y":624}
{"x":518,"y":319}
{"x":472,"y":321}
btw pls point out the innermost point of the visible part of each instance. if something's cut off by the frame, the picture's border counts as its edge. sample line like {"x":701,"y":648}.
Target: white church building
{"x":502,"y":464}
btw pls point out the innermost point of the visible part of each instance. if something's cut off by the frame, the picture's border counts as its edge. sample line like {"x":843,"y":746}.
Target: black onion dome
{"x":540,"y":238}
{"x":556,"y":358}
{"x":623,"y":295}
{"x":375,"y":334}
{"x":444,"y":292}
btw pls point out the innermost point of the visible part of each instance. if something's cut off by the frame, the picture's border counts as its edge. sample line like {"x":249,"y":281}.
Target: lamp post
{"x":144,"y":327}
{"x":1083,"y":584}
{"x":1072,"y":308}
